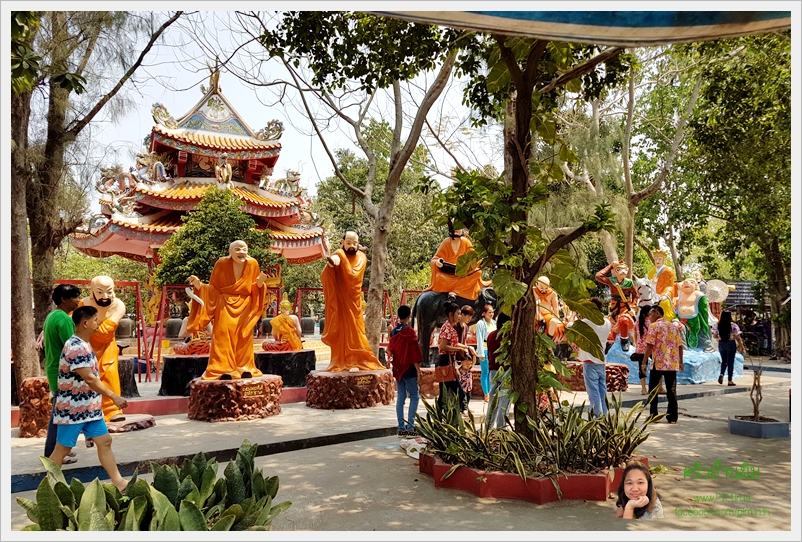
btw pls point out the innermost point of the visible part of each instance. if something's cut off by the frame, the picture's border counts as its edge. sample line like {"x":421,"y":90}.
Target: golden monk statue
{"x":233,"y":300}
{"x":286,"y":329}
{"x":345,"y":327}
{"x":444,"y":264}
{"x":110,"y":310}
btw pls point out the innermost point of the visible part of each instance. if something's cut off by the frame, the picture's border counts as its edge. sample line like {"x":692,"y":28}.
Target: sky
{"x":175,"y":69}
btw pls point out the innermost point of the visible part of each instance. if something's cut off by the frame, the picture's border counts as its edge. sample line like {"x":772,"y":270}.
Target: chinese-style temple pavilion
{"x":209,"y":146}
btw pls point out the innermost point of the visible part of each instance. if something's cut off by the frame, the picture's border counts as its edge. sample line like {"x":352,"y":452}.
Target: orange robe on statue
{"x":284,"y":330}
{"x":108,"y":363}
{"x":345,"y":326}
{"x":467,"y":287}
{"x":234,"y":306}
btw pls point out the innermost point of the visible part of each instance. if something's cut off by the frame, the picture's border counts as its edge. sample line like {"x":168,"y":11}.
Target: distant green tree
{"x":205,"y":237}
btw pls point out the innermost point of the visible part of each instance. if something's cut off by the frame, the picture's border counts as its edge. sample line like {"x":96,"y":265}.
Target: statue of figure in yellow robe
{"x":345,"y":326}
{"x":233,"y":300}
{"x":110,"y":311}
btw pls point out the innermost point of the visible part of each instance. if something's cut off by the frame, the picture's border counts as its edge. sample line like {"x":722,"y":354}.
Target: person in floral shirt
{"x":664,"y":345}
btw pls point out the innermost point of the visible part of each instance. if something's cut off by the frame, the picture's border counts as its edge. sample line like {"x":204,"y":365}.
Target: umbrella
{"x":617,"y":28}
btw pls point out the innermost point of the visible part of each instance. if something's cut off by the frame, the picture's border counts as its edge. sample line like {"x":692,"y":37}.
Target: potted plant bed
{"x":755,"y":425}
{"x":507,"y":485}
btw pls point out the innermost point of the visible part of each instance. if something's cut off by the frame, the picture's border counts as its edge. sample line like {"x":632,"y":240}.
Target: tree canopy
{"x":207,"y":232}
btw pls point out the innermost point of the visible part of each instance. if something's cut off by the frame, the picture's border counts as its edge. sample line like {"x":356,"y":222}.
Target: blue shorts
{"x":68,"y":433}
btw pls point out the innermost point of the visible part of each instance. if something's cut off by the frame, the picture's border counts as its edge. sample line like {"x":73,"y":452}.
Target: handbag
{"x":636,"y":357}
{"x":444,"y":372}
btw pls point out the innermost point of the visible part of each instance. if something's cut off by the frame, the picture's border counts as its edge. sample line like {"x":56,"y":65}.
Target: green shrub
{"x":189,"y":499}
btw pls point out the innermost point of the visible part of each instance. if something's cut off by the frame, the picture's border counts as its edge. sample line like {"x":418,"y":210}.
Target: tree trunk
{"x":608,"y":243}
{"x":378,"y":264}
{"x":629,"y":237}
{"x":523,"y":361}
{"x":43,"y":216}
{"x":778,"y":291}
{"x":23,"y":337}
{"x":672,"y":247}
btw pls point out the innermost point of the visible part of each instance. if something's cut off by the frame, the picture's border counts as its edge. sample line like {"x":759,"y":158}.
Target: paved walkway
{"x":344,"y":470}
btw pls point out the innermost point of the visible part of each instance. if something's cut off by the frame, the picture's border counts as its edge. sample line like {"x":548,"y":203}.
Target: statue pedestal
{"x":234,"y":400}
{"x":358,"y":389}
{"x":616,"y":376}
{"x":132,"y":422}
{"x":34,"y":407}
{"x":429,"y":389}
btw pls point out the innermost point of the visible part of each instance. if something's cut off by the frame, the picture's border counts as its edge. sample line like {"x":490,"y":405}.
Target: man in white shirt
{"x":594,"y":368}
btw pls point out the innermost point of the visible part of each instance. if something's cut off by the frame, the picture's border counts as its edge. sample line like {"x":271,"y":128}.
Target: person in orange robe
{"x":110,"y":311}
{"x":233,"y":300}
{"x":444,"y":278}
{"x":286,"y":329}
{"x":345,"y":325}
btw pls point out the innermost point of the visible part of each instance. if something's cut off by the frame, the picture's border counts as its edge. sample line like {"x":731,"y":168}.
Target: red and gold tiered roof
{"x":195,"y":144}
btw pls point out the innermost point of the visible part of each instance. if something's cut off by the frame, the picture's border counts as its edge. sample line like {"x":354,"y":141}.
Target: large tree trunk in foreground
{"x":522,"y":361}
{"x":22,"y":331}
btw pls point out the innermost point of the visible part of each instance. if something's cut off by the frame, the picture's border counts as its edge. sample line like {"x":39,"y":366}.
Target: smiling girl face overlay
{"x":635,"y":485}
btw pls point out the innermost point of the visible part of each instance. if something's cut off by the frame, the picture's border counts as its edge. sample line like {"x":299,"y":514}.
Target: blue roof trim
{"x":639,"y":19}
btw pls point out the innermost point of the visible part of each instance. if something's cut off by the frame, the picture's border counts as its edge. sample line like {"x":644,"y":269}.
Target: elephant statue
{"x":428,"y":313}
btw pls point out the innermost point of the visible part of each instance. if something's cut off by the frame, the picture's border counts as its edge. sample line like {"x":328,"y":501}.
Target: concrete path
{"x":343,"y":471}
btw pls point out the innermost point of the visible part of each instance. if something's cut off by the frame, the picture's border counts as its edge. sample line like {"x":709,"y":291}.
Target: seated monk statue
{"x":345,"y":326}
{"x":548,"y":308}
{"x":233,"y":301}
{"x":622,"y":300}
{"x":692,"y":310}
{"x":110,"y":310}
{"x":444,"y":264}
{"x":286,"y":330}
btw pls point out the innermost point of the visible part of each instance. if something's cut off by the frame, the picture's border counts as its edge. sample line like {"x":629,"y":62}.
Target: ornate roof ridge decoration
{"x":214,"y":114}
{"x":305,"y":230}
{"x":215,"y":141}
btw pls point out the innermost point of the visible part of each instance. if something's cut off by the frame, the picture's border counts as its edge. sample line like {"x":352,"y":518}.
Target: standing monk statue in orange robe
{"x":233,"y":301}
{"x":345,"y":325}
{"x":444,"y":264}
{"x":110,"y":310}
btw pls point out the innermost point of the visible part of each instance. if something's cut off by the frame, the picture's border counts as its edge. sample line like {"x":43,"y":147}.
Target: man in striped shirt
{"x":78,"y":407}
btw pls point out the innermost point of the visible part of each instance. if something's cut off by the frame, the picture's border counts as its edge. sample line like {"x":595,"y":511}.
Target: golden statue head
{"x":285,"y":306}
{"x":660,"y":257}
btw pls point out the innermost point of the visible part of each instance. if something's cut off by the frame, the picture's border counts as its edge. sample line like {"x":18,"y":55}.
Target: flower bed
{"x":504,"y":485}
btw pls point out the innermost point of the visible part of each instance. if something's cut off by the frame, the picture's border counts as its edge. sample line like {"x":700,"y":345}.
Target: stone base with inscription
{"x":234,"y":400}
{"x":357,"y":389}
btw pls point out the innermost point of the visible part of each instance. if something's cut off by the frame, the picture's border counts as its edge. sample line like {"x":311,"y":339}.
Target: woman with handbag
{"x":445,"y":373}
{"x":729,"y":341}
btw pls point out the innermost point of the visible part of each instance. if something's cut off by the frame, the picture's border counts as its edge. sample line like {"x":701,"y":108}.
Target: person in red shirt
{"x":405,"y":355}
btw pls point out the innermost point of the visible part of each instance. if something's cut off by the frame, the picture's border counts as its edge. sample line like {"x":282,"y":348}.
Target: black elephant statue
{"x":428,"y":313}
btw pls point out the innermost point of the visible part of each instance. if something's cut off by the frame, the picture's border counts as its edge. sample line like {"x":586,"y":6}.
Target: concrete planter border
{"x":504,"y":485}
{"x":749,"y":428}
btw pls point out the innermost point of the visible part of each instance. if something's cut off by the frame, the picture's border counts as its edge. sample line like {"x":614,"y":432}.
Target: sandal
{"x":731,"y":383}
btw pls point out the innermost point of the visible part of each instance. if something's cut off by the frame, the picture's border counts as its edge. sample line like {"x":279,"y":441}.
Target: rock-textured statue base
{"x":34,"y":407}
{"x":235,"y":400}
{"x":616,"y":376}
{"x":132,"y":422}
{"x":349,"y":389}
